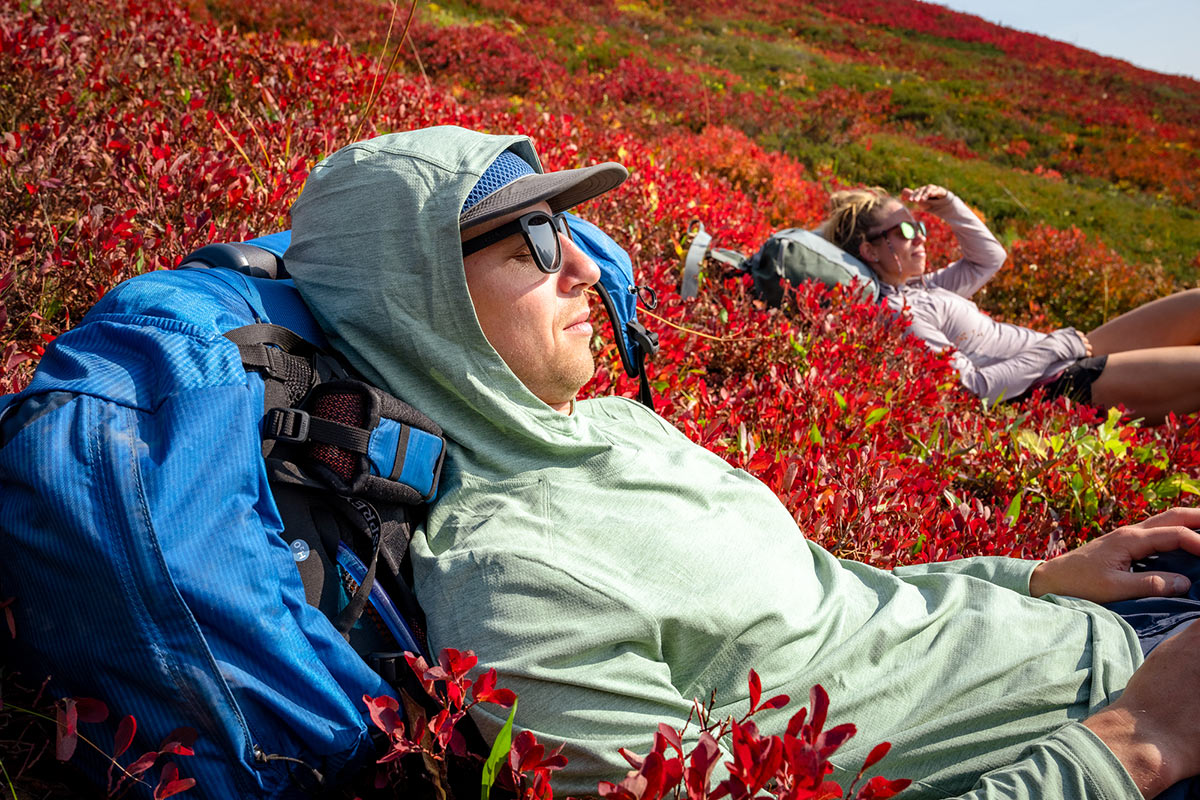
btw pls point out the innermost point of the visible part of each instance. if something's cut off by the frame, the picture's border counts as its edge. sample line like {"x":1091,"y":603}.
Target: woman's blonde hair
{"x":852,"y":213}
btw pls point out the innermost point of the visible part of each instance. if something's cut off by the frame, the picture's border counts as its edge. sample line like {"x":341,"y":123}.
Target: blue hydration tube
{"x":357,"y":570}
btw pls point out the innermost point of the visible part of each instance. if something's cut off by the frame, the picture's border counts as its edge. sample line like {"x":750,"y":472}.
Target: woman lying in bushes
{"x":1147,"y":359}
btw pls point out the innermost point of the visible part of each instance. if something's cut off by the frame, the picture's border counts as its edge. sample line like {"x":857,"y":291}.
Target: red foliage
{"x":70,"y":712}
{"x":1093,"y":284}
{"x":142,"y":130}
{"x":411,"y":731}
{"x":791,"y":766}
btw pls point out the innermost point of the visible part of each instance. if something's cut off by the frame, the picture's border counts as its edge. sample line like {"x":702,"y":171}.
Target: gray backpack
{"x":792,"y":253}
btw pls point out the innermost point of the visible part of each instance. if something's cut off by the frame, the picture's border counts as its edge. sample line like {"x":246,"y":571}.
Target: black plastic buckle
{"x":387,"y":665}
{"x":286,"y":425}
{"x":646,"y":339}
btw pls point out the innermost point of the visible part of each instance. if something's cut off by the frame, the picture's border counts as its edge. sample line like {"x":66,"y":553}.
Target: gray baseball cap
{"x":511,"y":183}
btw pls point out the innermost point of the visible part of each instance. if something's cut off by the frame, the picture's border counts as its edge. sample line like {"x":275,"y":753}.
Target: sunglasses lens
{"x":560,"y":222}
{"x":907,"y":230}
{"x":543,"y":243}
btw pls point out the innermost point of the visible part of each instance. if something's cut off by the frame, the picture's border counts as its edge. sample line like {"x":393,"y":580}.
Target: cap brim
{"x":561,"y":190}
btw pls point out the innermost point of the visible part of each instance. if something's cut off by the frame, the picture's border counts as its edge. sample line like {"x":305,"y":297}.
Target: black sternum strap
{"x":298,"y":426}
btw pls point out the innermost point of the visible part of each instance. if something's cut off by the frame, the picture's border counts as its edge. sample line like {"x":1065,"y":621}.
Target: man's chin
{"x":578,"y":375}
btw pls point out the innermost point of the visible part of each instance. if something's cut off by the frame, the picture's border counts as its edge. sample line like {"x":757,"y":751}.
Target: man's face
{"x":537,"y":322}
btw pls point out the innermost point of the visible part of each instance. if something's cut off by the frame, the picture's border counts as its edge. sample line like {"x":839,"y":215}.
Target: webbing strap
{"x":647,"y":343}
{"x":266,"y":333}
{"x":367,"y":520}
{"x":282,"y":355}
{"x":298,"y":426}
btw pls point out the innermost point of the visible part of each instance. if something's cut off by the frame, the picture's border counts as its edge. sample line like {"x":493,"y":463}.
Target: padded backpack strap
{"x":700,"y":249}
{"x":362,"y":442}
{"x":645,"y":343}
{"x":359,"y":440}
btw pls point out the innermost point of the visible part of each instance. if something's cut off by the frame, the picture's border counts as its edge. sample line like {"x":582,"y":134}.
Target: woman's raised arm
{"x":983,"y":255}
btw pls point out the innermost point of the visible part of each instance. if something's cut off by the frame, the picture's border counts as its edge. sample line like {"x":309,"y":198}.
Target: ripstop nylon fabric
{"x":139,"y":534}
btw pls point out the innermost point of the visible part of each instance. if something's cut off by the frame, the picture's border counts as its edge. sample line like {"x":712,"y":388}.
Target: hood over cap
{"x":376,"y":255}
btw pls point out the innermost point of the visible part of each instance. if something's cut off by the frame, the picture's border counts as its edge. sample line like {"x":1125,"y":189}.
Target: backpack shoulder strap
{"x":697,"y":250}
{"x":359,"y":440}
{"x":700,"y":249}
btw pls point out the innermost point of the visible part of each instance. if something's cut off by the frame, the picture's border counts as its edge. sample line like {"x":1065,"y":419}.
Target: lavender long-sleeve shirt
{"x":996,"y":360}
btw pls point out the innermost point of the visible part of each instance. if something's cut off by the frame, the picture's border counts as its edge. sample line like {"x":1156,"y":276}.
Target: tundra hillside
{"x":132,"y":132}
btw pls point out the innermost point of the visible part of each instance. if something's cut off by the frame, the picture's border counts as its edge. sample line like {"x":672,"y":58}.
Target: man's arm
{"x":1070,"y":764}
{"x":1011,"y":573}
{"x":1154,"y":727}
{"x":1098,"y":571}
{"x":1152,"y":731}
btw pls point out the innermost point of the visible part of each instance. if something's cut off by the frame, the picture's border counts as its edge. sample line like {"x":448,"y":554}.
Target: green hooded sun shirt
{"x":611,"y":570}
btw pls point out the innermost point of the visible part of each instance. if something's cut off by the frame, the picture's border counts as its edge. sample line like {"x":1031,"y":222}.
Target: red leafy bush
{"x":26,"y":722}
{"x":138,"y":131}
{"x":1093,"y":284}
{"x":791,"y":766}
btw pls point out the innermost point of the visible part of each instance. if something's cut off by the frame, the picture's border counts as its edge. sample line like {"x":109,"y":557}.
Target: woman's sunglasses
{"x":540,"y":230}
{"x":908,"y":230}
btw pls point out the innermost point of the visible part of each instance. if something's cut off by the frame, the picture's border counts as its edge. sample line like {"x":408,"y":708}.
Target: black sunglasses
{"x":540,"y":230}
{"x":908,"y":230}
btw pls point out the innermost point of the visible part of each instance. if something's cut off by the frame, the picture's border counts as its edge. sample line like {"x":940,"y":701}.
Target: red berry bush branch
{"x":791,"y":765}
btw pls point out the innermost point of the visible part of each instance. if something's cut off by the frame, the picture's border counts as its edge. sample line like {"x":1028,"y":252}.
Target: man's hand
{"x":1099,"y":570}
{"x":1154,"y":727}
{"x":923,"y":195}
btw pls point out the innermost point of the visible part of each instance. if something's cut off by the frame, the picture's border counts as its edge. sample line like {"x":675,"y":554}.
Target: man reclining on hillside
{"x":612,"y":570}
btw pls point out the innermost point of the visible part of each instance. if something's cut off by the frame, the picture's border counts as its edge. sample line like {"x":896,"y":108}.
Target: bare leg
{"x":1152,"y":382}
{"x":1169,"y":321}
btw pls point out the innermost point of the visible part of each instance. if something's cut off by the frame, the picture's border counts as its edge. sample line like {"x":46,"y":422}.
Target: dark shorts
{"x":1156,"y":619}
{"x":1074,"y":382}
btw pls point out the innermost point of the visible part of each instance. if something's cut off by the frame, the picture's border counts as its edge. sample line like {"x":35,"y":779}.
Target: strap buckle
{"x":647,"y":340}
{"x":287,"y":425}
{"x":388,"y":665}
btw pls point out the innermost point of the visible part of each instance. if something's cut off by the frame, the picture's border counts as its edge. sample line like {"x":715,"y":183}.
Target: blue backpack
{"x":204,"y":518}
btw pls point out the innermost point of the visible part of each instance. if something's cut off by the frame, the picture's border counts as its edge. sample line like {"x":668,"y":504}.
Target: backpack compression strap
{"x":363,"y":441}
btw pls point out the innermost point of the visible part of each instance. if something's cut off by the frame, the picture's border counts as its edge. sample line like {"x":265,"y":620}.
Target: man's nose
{"x":578,"y":267}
